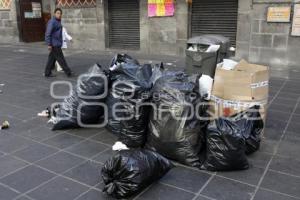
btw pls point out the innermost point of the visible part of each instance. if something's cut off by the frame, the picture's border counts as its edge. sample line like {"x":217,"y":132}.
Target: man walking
{"x":54,"y":41}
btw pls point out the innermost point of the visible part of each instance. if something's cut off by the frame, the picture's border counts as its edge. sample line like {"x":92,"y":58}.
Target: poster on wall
{"x":296,"y":21}
{"x":279,"y":14}
{"x":161,"y":8}
{"x":36,"y":10}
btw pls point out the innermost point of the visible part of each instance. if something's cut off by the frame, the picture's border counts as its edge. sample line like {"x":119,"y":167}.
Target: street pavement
{"x":39,"y":164}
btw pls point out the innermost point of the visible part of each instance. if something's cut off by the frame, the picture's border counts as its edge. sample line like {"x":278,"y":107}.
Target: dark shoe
{"x":72,"y":74}
{"x":49,"y":76}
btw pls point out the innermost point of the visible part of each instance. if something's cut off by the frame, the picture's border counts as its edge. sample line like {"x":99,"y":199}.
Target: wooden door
{"x":32,"y":24}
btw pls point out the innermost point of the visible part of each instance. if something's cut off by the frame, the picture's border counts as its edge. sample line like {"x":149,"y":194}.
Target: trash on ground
{"x":45,"y":113}
{"x":4,"y":125}
{"x":131,"y":84}
{"x":206,"y":84}
{"x":118,"y":146}
{"x":130,"y":171}
{"x":81,"y":102}
{"x":225,"y":147}
{"x":172,"y":133}
{"x":251,"y":125}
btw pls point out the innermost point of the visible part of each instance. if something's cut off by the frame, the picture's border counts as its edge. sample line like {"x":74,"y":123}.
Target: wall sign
{"x":161,"y":8}
{"x":279,"y":14}
{"x":36,"y":10}
{"x":296,"y":21}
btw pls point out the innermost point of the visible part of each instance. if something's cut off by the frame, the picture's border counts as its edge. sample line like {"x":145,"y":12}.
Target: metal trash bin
{"x":200,"y":61}
{"x":224,"y":43}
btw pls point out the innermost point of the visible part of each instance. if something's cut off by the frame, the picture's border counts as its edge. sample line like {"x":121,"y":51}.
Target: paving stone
{"x":296,"y":119}
{"x":268,"y":145}
{"x":84,"y":132}
{"x":282,"y":183}
{"x":250,"y":176}
{"x":164,"y":192}
{"x":104,"y":156}
{"x":63,"y":141}
{"x":23,"y":198}
{"x":294,"y":127}
{"x":93,"y":195}
{"x":286,"y":165}
{"x":284,"y":101}
{"x":10,"y":164}
{"x":40,"y":133}
{"x":35,"y":152}
{"x":105,"y":137}
{"x":58,"y":188}
{"x":259,"y":159}
{"x":88,"y":173}
{"x":224,"y":189}
{"x":60,"y":162}
{"x":202,"y":198}
{"x":264,"y":194}
{"x":10,"y":143}
{"x":278,"y":115}
{"x":7,"y":194}
{"x":87,"y":148}
{"x":289,"y":146}
{"x":188,"y":179}
{"x":27,"y":178}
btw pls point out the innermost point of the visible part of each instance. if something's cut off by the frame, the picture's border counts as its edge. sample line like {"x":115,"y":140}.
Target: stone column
{"x":244,"y":27}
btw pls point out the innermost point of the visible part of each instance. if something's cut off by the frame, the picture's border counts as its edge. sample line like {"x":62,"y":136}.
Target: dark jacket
{"x":53,"y":34}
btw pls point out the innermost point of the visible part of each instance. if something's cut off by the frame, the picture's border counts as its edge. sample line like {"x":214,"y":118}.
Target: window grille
{"x":5,"y":4}
{"x":76,"y":3}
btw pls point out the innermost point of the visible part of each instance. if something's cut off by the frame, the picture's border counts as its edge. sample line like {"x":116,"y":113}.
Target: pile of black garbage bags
{"x":160,"y":115}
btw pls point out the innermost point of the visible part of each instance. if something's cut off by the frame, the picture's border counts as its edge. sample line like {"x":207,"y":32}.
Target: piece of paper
{"x":151,"y":10}
{"x":161,"y":8}
{"x":169,"y":7}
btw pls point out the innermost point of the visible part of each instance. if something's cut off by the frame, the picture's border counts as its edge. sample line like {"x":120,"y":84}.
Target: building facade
{"x":125,"y":25}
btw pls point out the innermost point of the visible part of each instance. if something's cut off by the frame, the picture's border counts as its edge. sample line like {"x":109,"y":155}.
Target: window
{"x":76,"y":3}
{"x":5,"y":4}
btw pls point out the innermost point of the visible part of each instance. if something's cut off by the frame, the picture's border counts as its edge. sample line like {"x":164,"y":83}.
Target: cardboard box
{"x":226,"y":108}
{"x":246,"y":82}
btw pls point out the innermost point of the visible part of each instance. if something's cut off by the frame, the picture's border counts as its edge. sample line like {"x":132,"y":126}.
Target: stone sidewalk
{"x":38,"y":164}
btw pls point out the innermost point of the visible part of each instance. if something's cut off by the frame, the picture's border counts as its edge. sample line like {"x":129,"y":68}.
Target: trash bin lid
{"x":219,"y":39}
{"x":202,"y":40}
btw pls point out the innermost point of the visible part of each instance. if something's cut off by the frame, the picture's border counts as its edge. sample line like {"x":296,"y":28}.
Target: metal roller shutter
{"x":124,"y":24}
{"x":215,"y":17}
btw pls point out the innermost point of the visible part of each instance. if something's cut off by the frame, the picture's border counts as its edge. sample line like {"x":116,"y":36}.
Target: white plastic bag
{"x":229,"y":64}
{"x":206,"y":84}
{"x":213,"y":48}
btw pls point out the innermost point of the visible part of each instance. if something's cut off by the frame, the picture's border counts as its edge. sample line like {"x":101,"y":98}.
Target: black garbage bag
{"x":225,"y":148}
{"x":230,"y":139}
{"x":251,"y":125}
{"x":130,"y":171}
{"x":176,"y":132}
{"x":121,"y":59}
{"x":130,"y":89}
{"x":81,"y":103}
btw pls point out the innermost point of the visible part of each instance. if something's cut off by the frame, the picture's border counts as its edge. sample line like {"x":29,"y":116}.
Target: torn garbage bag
{"x":130,"y":171}
{"x":81,"y":108}
{"x":128,"y":116}
{"x":230,"y":139}
{"x":174,"y":127}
